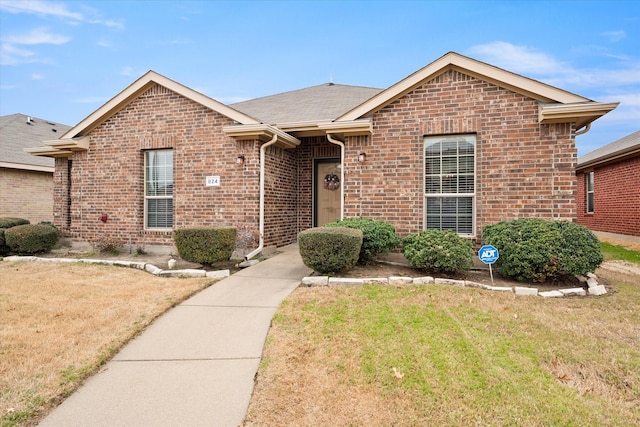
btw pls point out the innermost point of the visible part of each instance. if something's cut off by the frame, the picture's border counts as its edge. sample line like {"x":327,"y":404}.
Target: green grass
{"x":614,"y":252}
{"x":468,"y":356}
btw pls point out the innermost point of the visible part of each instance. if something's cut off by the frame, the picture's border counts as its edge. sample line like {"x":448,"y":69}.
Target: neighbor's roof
{"x":622,"y":147}
{"x":316,"y":103}
{"x":17,"y":132}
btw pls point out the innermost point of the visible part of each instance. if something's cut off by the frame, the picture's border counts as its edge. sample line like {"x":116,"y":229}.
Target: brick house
{"x":459,"y":144}
{"x":608,"y":199}
{"x":26,"y":182}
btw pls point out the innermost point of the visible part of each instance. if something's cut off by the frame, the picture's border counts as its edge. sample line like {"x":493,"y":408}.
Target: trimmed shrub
{"x":205,"y":245}
{"x":537,"y":250}
{"x":4,"y":249}
{"x":12,"y":222}
{"x":31,"y":238}
{"x":330,"y":249}
{"x":440,"y":251}
{"x":378,"y":237}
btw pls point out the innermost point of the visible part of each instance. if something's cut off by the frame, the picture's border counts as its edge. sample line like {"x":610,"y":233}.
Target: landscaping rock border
{"x":591,"y":282}
{"x":149,"y":268}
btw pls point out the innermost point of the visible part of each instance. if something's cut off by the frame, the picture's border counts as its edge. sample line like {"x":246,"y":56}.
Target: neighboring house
{"x":26,"y":182}
{"x":609,"y":187}
{"x":459,"y":144}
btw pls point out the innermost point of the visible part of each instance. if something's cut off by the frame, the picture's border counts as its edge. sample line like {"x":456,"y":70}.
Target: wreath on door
{"x":331,"y":182}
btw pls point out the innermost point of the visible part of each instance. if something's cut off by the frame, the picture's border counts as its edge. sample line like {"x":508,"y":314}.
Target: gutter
{"x":583,"y":130}
{"x":263,"y":150}
{"x":341,"y":144}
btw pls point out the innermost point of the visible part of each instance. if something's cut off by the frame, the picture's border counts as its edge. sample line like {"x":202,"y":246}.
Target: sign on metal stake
{"x":488,"y":255}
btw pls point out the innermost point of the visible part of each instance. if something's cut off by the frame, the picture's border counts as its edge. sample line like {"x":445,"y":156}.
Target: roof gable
{"x":532,"y":88}
{"x":150,"y":78}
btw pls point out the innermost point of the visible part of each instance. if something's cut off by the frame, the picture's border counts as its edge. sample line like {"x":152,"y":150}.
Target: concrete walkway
{"x":195,"y":365}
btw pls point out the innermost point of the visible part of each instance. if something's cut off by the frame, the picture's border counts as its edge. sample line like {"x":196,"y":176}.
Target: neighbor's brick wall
{"x":523,"y":168}
{"x":26,"y":194}
{"x":108,"y":177}
{"x":616,"y":198}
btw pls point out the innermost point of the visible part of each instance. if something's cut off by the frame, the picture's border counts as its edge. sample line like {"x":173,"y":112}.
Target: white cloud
{"x":530,"y":62}
{"x":126,"y":71}
{"x":11,"y":55}
{"x":60,"y":10}
{"x":104,"y":43}
{"x":37,"y":76}
{"x":118,"y":25}
{"x":38,"y":7}
{"x":37,"y":36}
{"x":615,"y":36}
{"x":519,"y":59}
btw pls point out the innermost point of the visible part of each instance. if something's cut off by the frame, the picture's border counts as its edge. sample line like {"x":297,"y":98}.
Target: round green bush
{"x":440,"y":251}
{"x":31,"y":238}
{"x":205,"y":245}
{"x":8,"y":222}
{"x":378,"y":237}
{"x":537,"y":250}
{"x":330,"y":249}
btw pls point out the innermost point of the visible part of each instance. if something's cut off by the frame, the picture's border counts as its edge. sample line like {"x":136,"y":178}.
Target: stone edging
{"x":591,"y":281}
{"x":149,"y":268}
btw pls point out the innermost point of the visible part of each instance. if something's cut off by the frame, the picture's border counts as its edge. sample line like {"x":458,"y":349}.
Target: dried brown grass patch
{"x":61,"y":321}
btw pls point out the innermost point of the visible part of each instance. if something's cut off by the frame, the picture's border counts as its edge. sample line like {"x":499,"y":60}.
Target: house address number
{"x":212,"y":181}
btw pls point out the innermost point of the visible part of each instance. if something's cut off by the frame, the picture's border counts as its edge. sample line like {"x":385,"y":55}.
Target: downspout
{"x":584,"y":130}
{"x":263,"y":150}
{"x":341,"y":144}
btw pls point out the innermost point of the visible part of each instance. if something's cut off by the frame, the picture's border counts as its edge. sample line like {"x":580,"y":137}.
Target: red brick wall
{"x":109,"y":176}
{"x":616,"y":198}
{"x":523,"y":168}
{"x":61,"y":196}
{"x":281,"y":196}
{"x":26,"y":194}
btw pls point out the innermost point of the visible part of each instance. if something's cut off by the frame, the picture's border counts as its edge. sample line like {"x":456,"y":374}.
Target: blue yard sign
{"x":488,"y":254}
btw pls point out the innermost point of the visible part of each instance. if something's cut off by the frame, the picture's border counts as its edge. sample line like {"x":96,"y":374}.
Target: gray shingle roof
{"x":614,"y":149}
{"x":316,"y":103}
{"x":16,"y":135}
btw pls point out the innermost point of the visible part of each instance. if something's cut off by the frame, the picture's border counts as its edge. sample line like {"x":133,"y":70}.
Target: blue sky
{"x":61,"y":60}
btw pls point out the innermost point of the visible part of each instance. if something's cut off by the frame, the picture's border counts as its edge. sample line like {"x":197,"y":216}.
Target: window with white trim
{"x":590,"y":191}
{"x":450,"y":183}
{"x":158,"y":189}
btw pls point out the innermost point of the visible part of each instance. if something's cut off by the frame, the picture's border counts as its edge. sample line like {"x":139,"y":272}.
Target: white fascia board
{"x":261,"y":131}
{"x":580,"y":113}
{"x":353,"y":127}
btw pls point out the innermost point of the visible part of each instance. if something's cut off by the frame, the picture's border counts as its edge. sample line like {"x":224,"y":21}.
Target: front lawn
{"x":443,"y":355}
{"x":60,"y":322}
